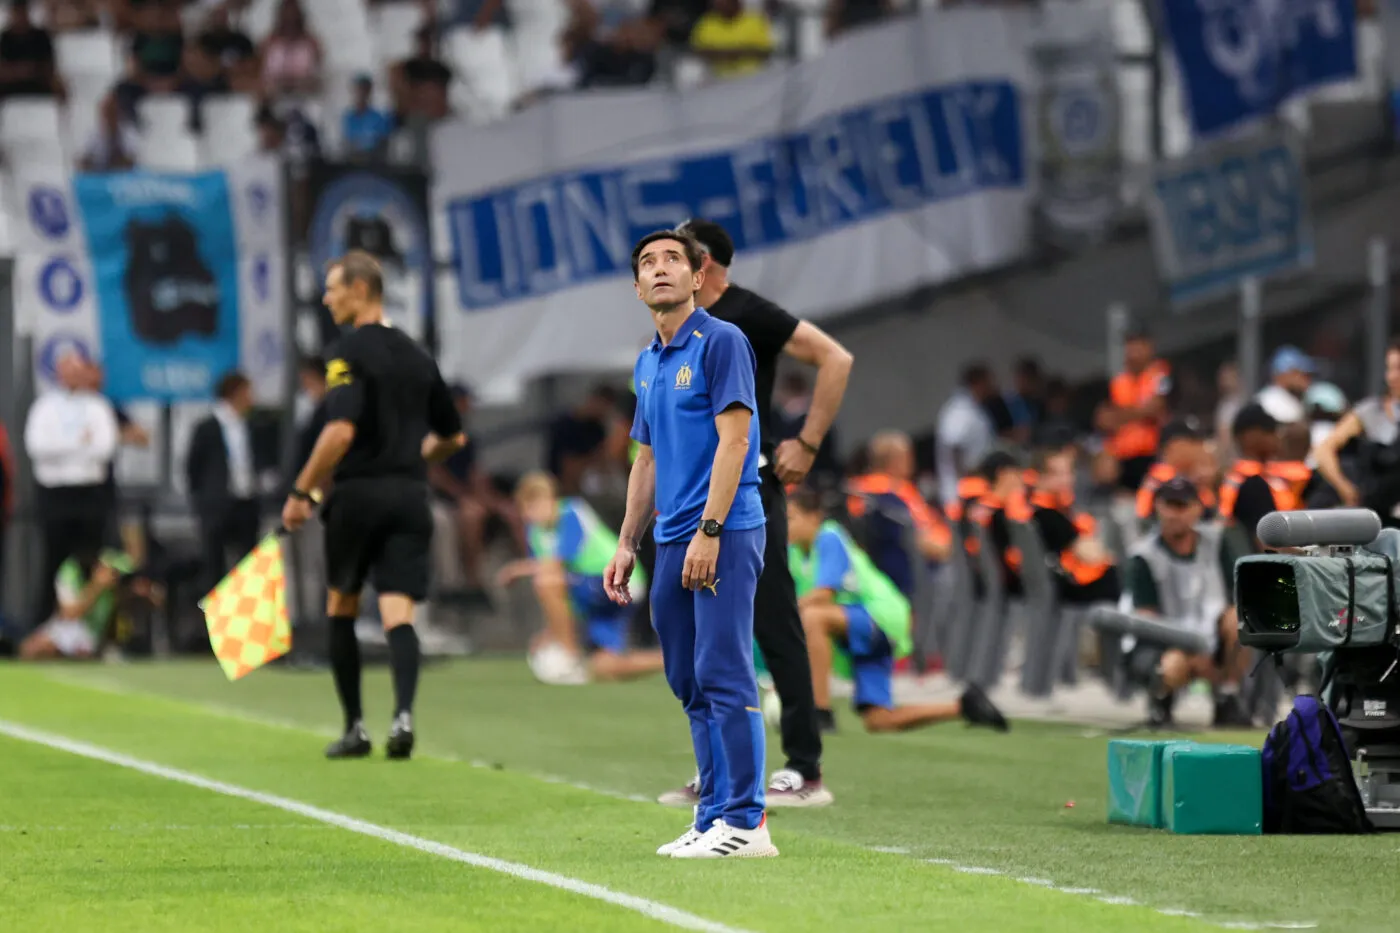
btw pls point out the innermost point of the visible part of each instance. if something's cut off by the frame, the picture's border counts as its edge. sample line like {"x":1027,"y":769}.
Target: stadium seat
{"x":342,"y":26}
{"x":85,"y":93}
{"x":88,"y":52}
{"x":31,"y":131}
{"x":166,"y":142}
{"x":228,"y":129}
{"x":482,"y":61}
{"x":956,"y":607}
{"x":7,"y":245}
{"x":393,"y":27}
{"x":1042,"y":611}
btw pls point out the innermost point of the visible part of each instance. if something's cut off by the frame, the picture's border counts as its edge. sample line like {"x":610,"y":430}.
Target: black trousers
{"x":71,"y":518}
{"x":226,"y":534}
{"x":777,"y":627}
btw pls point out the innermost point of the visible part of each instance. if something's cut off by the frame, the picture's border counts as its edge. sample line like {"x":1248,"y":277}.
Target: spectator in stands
{"x":887,"y":502}
{"x":1133,"y":415}
{"x":1256,"y":484}
{"x":224,"y":39}
{"x":464,"y":486}
{"x":1183,"y":572}
{"x":1087,"y":574}
{"x":732,"y":40}
{"x":842,"y":15}
{"x":159,"y":44}
{"x":608,"y":45}
{"x":291,"y":56}
{"x":1056,"y":421}
{"x":89,"y":587}
{"x":1025,"y":403}
{"x":71,"y":436}
{"x":677,"y":18}
{"x":965,"y":432}
{"x":27,"y":65}
{"x":849,"y":608}
{"x":1374,"y":427}
{"x":365,"y":129}
{"x":114,"y":142}
{"x":477,"y":14}
{"x":71,"y":15}
{"x":420,"y":83}
{"x":1325,"y":404}
{"x":578,"y":439}
{"x":1183,"y":448}
{"x":1291,"y":371}
{"x":293,"y":136}
{"x":794,"y":399}
{"x":222,"y":479}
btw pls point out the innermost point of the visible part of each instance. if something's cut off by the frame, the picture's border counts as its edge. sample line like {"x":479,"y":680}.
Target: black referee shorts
{"x":380,"y":530}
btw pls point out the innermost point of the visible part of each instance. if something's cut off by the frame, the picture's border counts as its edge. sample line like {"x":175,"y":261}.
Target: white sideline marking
{"x":652,"y":909}
{"x":233,"y":712}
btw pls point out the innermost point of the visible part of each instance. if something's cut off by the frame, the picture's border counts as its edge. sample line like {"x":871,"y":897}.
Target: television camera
{"x":1330,"y":589}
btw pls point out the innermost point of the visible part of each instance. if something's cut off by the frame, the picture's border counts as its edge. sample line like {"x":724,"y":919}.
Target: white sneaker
{"x":686,"y":838}
{"x":788,"y":789}
{"x":725,"y":841}
{"x":687,"y":796}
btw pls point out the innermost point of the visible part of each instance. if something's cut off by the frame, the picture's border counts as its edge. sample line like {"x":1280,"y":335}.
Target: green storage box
{"x":1135,"y":781}
{"x":1212,"y":789}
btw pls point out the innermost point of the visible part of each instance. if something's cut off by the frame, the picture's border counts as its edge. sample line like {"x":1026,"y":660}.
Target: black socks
{"x":345,"y":665}
{"x":403,"y":657}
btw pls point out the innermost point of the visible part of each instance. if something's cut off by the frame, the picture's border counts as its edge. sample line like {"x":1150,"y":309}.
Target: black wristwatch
{"x":303,"y":495}
{"x":711,"y":528}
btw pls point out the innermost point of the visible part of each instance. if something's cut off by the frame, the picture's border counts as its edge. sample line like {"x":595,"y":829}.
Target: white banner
{"x":171,"y":280}
{"x":895,"y":160}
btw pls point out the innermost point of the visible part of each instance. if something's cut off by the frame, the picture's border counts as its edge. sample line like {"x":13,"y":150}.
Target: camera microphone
{"x":1322,"y":527}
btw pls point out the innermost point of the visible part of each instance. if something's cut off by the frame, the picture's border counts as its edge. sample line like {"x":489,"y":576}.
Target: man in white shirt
{"x":965,"y":432}
{"x":71,"y":435}
{"x":1291,"y":371}
{"x":222,"y":479}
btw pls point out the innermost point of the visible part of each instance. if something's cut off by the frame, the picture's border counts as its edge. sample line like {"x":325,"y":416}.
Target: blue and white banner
{"x":171,"y":280}
{"x":896,"y":160}
{"x":1242,"y":59}
{"x":1229,"y":211}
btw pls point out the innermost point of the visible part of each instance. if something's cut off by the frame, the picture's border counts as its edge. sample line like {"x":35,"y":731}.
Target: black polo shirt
{"x":768,"y":328}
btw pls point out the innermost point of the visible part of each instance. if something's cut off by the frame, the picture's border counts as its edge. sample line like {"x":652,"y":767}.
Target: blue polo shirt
{"x":681,"y":387}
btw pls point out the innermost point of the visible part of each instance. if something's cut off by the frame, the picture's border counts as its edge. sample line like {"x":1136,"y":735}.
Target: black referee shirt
{"x":388,"y":386}
{"x":768,"y":328}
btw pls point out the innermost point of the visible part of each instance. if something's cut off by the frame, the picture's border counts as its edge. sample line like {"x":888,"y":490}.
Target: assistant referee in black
{"x":773,"y":332}
{"x":388,"y":414}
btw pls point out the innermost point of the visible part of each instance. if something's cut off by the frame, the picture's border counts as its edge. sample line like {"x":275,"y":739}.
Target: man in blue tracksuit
{"x":698,"y":429}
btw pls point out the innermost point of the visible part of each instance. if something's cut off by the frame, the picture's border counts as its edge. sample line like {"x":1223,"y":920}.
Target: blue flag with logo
{"x":1241,"y":59}
{"x":165,"y":268}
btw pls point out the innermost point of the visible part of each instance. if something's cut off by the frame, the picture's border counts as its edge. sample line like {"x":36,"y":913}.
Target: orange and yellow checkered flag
{"x":247,"y":612}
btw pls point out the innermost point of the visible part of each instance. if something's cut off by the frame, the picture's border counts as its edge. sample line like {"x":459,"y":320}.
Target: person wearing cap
{"x":1291,"y":371}
{"x":1257,"y":483}
{"x":773,"y":333}
{"x":1183,"y":572}
{"x":1183,"y":452}
{"x":1374,"y":425}
{"x":1087,"y":574}
{"x":1132,"y":418}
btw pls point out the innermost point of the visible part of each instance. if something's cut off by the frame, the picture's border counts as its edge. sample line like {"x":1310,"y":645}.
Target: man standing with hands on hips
{"x":697,"y":426}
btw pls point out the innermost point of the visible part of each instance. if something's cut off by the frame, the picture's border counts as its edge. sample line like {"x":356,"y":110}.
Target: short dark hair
{"x":1253,"y":417}
{"x":230,"y":383}
{"x":359,"y":266}
{"x":312,"y":363}
{"x":1393,"y":346}
{"x":976,"y":374}
{"x":693,"y":253}
{"x":807,"y":500}
{"x":714,"y":238}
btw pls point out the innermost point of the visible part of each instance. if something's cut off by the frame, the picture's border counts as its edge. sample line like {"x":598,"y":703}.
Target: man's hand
{"x":618,"y":573}
{"x":295,"y":513}
{"x":793,"y":461}
{"x":700,"y":559}
{"x":104,"y":576}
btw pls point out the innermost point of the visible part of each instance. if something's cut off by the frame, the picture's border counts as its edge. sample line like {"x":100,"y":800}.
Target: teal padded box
{"x":1212,"y":789}
{"x":1135,"y":781}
